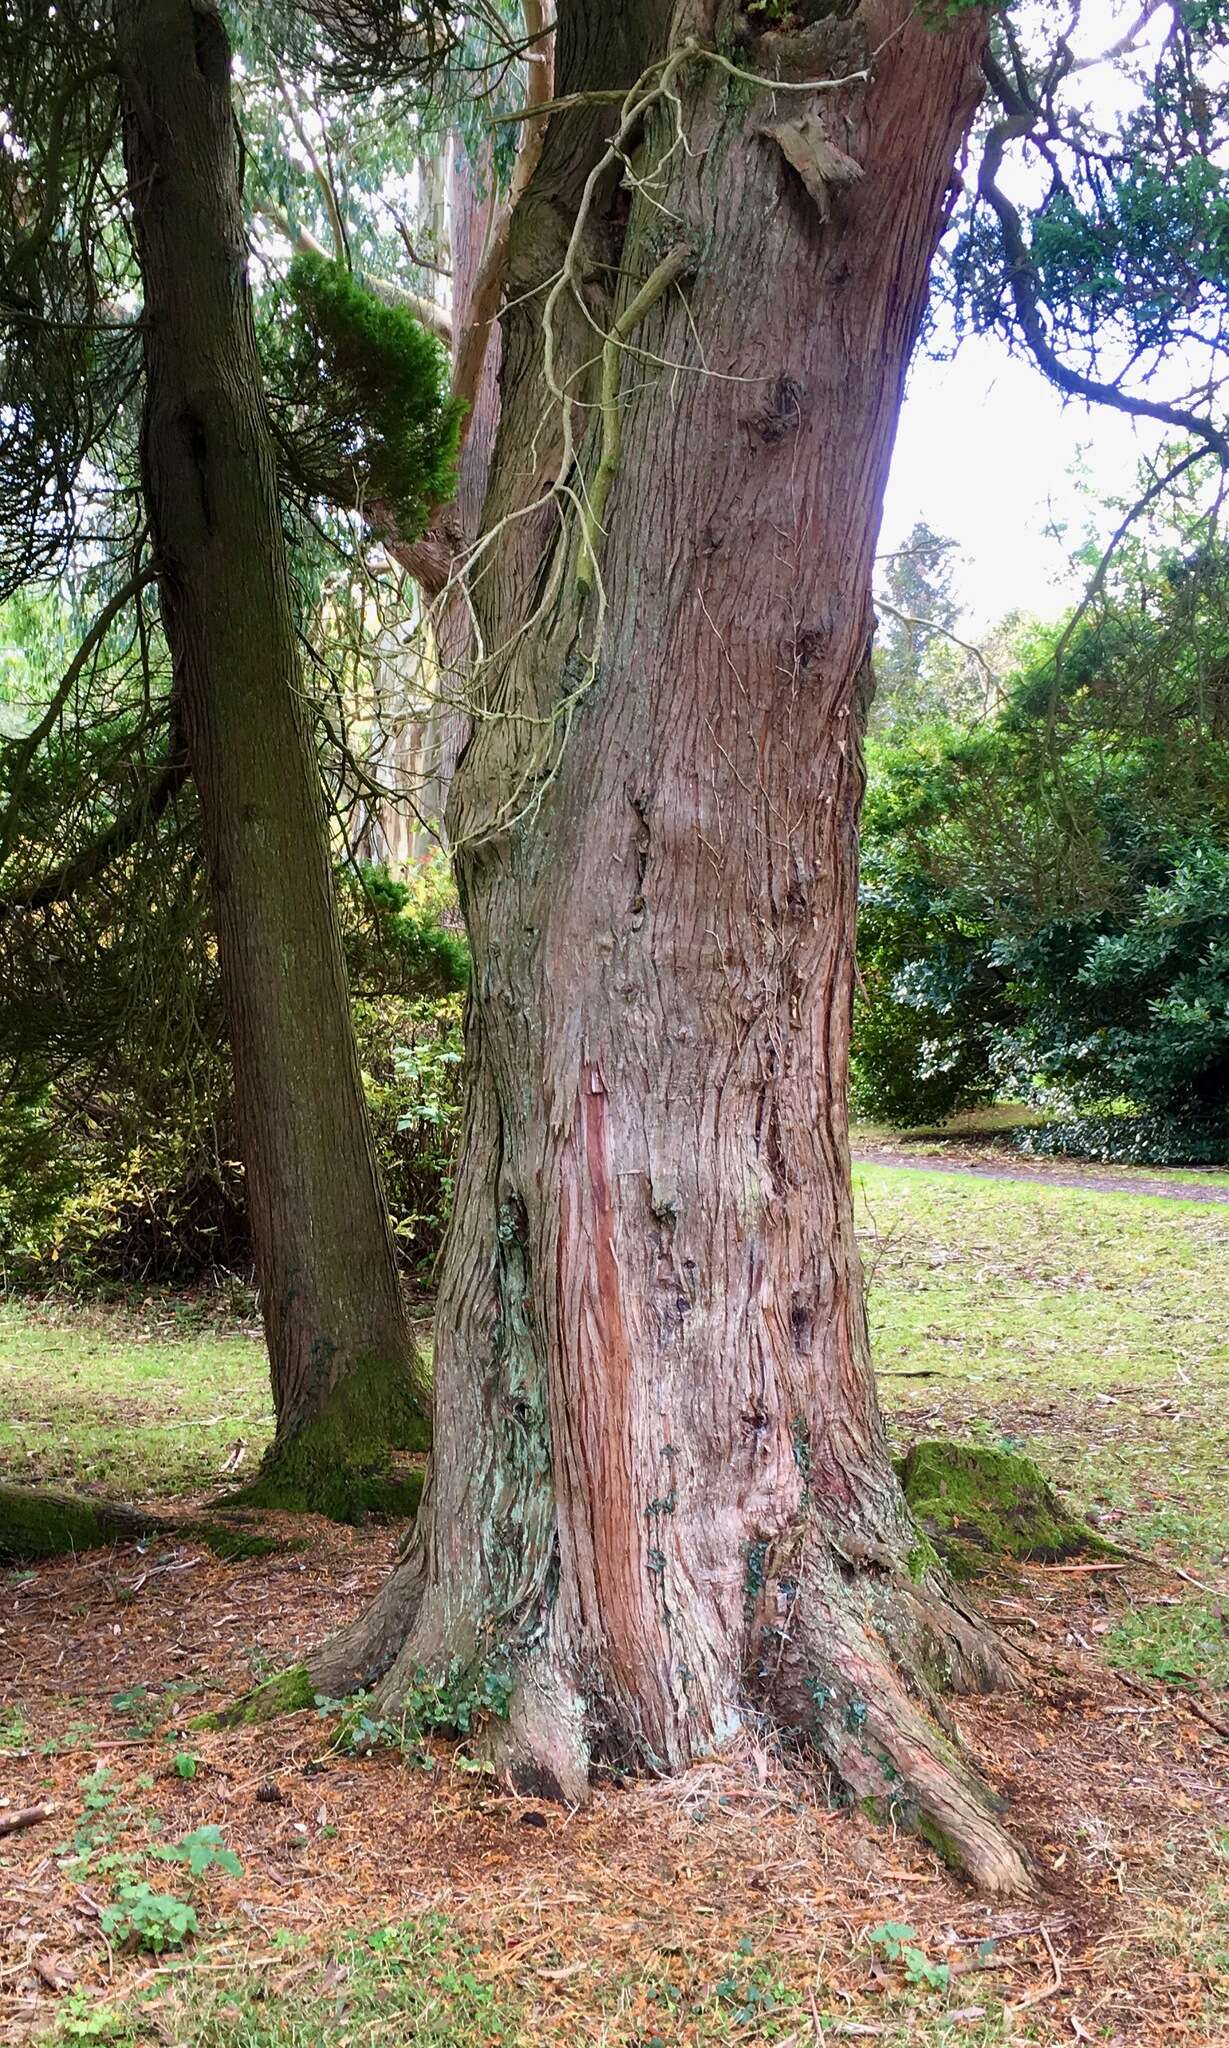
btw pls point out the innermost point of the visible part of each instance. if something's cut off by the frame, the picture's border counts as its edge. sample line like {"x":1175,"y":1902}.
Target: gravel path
{"x":1172,"y":1186}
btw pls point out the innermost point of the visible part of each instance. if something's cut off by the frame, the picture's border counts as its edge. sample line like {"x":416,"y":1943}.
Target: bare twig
{"x":25,"y":1817}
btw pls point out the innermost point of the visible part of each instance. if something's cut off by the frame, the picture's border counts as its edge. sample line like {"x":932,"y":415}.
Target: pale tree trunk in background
{"x":474,"y":220}
{"x":480,"y":230}
{"x":340,"y":1347}
{"x":417,"y":762}
{"x":660,"y":1492}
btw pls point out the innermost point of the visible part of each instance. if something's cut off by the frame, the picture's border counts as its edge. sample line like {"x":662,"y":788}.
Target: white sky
{"x":989,"y":453}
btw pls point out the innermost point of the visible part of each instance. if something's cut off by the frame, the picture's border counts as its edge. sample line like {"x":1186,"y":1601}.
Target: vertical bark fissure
{"x":339,"y":1342}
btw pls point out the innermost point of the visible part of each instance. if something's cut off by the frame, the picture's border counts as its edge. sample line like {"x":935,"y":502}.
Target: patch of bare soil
{"x":1115,"y":1790}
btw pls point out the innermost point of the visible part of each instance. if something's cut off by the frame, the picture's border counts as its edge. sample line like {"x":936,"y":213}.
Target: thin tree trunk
{"x":661,"y":1495}
{"x":339,"y":1342}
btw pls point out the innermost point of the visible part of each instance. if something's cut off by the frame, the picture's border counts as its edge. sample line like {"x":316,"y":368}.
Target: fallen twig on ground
{"x":25,"y":1817}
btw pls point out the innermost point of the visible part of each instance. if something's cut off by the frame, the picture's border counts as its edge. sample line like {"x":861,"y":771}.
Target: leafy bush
{"x":126,"y":1169}
{"x":412,"y":1054}
{"x":1126,"y":1140}
{"x":1045,"y":900}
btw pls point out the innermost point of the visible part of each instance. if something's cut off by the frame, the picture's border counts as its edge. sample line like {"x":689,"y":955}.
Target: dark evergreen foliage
{"x":364,"y":406}
{"x":1046,"y":899}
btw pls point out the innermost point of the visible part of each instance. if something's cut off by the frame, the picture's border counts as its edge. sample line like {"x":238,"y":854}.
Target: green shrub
{"x":412,"y":1055}
{"x":1125,"y":1140}
{"x":126,"y":1171}
{"x":1045,"y":897}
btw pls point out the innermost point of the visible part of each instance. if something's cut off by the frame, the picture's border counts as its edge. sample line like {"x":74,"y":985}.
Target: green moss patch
{"x":289,"y":1692}
{"x":346,"y":1462}
{"x":981,"y":1506}
{"x":36,"y":1524}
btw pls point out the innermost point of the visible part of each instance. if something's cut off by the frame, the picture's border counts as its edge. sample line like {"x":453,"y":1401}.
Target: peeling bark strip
{"x":339,"y":1341}
{"x":657,"y":853}
{"x":817,"y":160}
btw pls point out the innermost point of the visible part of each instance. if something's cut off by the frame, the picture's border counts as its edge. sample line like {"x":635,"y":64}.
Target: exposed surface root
{"x":981,"y":1505}
{"x":855,"y":1700}
{"x":854,"y":1662}
{"x":38,"y":1523}
{"x":542,"y":1747}
{"x":351,"y":1660}
{"x":35,"y":1522}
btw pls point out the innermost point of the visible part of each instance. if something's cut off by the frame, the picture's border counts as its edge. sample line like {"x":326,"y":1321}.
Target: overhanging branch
{"x":1021,"y":119}
{"x":28,"y":745}
{"x":63,"y":882}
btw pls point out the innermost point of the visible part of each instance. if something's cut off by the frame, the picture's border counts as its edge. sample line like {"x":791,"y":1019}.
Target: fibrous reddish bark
{"x":661,"y":1497}
{"x":346,"y":1386}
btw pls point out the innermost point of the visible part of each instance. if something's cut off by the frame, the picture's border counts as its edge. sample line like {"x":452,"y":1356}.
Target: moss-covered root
{"x":357,"y":1656}
{"x":35,"y":1523}
{"x":347,"y":1460}
{"x":287,"y":1693}
{"x":836,"y":1687}
{"x":982,"y":1506}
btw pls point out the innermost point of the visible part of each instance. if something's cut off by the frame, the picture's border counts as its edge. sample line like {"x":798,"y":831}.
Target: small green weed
{"x":898,"y":1943}
{"x":104,"y":1845}
{"x":14,"y":1731}
{"x":202,"y":1850}
{"x":82,"y":2019}
{"x":456,"y":1704}
{"x":755,"y":1995}
{"x":149,"y":1919}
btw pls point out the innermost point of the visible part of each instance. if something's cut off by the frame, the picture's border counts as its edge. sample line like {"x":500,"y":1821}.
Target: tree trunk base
{"x":851,"y":1666}
{"x":343,"y":1460}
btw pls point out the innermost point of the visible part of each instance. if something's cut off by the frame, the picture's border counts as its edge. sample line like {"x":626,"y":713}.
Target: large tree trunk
{"x":339,"y":1342}
{"x":661,"y":1496}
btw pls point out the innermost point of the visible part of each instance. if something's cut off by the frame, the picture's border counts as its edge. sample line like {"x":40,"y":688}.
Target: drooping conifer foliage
{"x":363,"y":388}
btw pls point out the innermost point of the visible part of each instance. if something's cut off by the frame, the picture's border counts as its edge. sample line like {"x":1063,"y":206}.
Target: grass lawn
{"x":1094,"y":1329}
{"x":144,"y":1402}
{"x":377,"y":1901}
